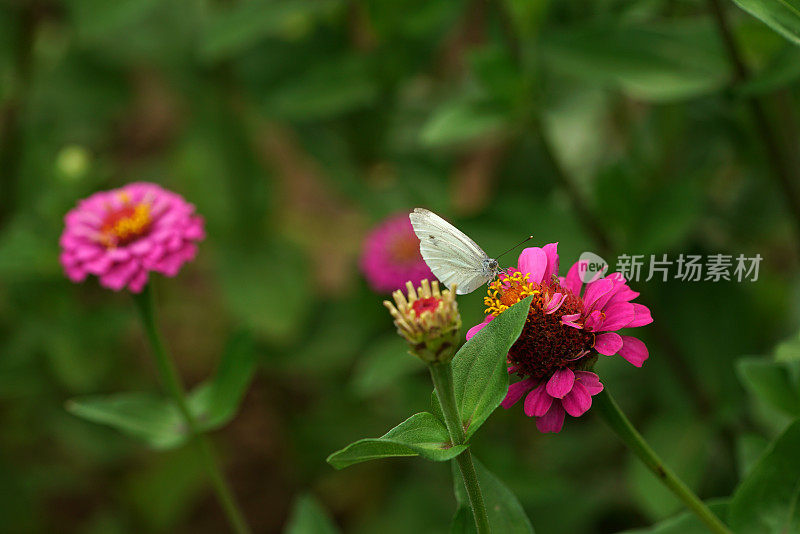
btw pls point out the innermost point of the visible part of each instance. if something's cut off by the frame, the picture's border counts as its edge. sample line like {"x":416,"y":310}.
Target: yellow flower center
{"x":125,"y":224}
{"x":503,"y":294}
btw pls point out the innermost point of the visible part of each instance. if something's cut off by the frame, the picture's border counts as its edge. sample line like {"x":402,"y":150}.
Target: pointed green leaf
{"x":461,"y":121}
{"x":216,"y":402}
{"x":463,"y":523}
{"x":772,"y":382}
{"x":419,"y":435}
{"x":309,"y":517}
{"x":783,"y":16}
{"x":766,"y":501}
{"x":480,"y":376}
{"x":658,"y":62}
{"x":142,"y":415}
{"x":506,"y":514}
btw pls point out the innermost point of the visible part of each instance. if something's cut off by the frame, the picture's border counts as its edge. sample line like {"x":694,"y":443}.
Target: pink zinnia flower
{"x":391,"y":257}
{"x":123,"y":234}
{"x":563,"y":335}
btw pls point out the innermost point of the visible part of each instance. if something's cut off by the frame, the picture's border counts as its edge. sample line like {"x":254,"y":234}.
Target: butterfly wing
{"x":452,"y":256}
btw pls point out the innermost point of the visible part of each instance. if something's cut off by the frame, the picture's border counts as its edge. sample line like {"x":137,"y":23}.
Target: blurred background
{"x":296,"y":126}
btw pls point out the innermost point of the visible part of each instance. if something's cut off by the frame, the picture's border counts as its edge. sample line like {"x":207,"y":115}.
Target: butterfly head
{"x":491,"y":266}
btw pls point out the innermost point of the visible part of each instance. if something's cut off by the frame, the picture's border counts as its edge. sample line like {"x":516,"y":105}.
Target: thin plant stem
{"x":442,"y":376}
{"x":145,"y":303}
{"x":605,"y":405}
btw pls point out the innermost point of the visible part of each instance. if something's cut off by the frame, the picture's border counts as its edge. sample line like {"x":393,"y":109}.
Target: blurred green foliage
{"x":294,"y":125}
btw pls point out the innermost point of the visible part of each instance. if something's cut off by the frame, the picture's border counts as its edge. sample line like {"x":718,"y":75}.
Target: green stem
{"x":442,"y":376}
{"x":145,"y":303}
{"x":606,"y":406}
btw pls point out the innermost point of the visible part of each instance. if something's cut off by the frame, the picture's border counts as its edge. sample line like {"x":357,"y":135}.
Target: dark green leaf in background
{"x":766,"y":502}
{"x":309,"y":517}
{"x":773,"y":382}
{"x":504,"y":509}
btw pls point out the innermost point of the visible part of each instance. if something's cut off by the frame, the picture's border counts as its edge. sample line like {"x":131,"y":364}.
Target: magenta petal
{"x":608,"y":343}
{"x":641,"y":316}
{"x":551,"y":250}
{"x":560,"y":383}
{"x":553,"y":420}
{"x":571,"y":320}
{"x":634,"y":350}
{"x":516,"y":391}
{"x":538,"y":402}
{"x":478,"y":327}
{"x":596,"y":290}
{"x":590,"y":381}
{"x":593,"y":322}
{"x":555,"y":302}
{"x":617,"y":316}
{"x":577,"y":401}
{"x":573,"y":280}
{"x":533,"y":260}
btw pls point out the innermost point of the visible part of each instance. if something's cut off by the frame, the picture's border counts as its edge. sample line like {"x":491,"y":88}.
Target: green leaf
{"x":766,"y":501}
{"x":480,"y":377}
{"x":419,"y":435}
{"x":685,"y":523}
{"x":463,"y":522}
{"x":461,"y":121}
{"x":780,"y":72}
{"x":772,"y":382}
{"x":505,"y":512}
{"x":658,"y":62}
{"x":783,"y":16}
{"x":749,"y":449}
{"x":216,"y":402}
{"x":239,"y":26}
{"x":158,"y":421}
{"x":308,"y":517}
{"x":142,"y":415}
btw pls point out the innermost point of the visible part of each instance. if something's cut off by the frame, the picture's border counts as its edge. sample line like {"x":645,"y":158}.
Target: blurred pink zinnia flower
{"x":123,"y":234}
{"x":563,"y":334}
{"x":391,"y":257}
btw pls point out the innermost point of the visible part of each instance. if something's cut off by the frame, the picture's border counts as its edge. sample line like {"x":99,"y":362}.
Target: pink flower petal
{"x":608,"y":343}
{"x":560,"y":383}
{"x":594,"y":291}
{"x":553,"y":420}
{"x":573,"y":280}
{"x":554,"y":303}
{"x":617,"y":316}
{"x":516,"y":392}
{"x":634,"y":350}
{"x":577,"y":401}
{"x":571,"y":320}
{"x":590,"y":381}
{"x":593,"y":322}
{"x":641,"y":316}
{"x":533,"y":260}
{"x":538,"y":402}
{"x":551,"y":250}
{"x":478,"y":327}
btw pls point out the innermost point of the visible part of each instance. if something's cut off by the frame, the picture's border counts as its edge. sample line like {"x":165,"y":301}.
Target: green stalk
{"x":145,"y":303}
{"x":442,"y":376}
{"x":606,"y":406}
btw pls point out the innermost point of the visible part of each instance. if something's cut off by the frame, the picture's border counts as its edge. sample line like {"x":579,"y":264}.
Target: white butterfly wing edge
{"x":452,"y":256}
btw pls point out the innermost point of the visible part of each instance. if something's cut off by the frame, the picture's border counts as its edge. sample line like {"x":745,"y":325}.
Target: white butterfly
{"x":453,"y":257}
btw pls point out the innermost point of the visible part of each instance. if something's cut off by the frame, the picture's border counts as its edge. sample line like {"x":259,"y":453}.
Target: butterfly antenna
{"x":515,"y":246}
